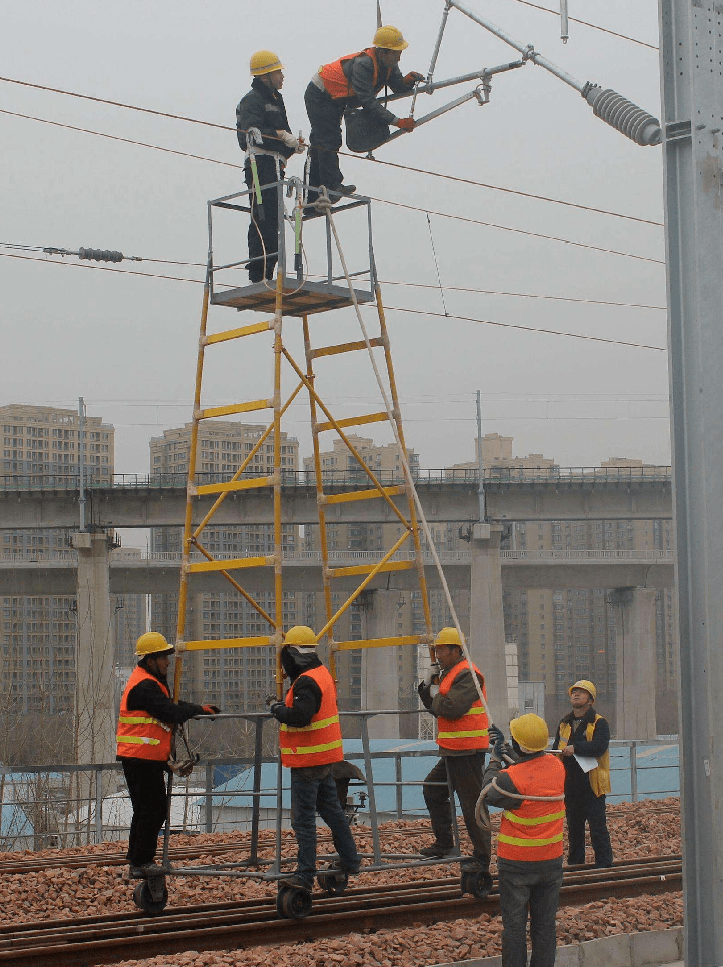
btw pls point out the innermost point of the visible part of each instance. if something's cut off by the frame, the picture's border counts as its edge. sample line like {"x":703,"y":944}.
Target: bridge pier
{"x":486,"y":619}
{"x":95,"y":693}
{"x":636,"y":662}
{"x":380,"y":666}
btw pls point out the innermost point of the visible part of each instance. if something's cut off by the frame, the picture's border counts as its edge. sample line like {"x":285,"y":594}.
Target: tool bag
{"x":364,"y":132}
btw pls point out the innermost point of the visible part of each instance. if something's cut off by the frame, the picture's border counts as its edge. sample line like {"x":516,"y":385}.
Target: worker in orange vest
{"x":310,"y":742}
{"x":463,"y":739}
{"x":145,"y":728}
{"x":528,"y":784}
{"x":352,"y":81}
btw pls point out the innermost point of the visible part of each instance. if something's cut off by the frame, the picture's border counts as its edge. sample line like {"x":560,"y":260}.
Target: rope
{"x":403,"y":458}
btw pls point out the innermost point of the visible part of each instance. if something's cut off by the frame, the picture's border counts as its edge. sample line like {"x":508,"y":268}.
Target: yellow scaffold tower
{"x":290,"y":298}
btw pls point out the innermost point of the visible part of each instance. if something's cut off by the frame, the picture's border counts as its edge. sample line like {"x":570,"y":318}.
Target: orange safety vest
{"x":469,"y":731}
{"x":336,"y":82}
{"x":139,"y":735}
{"x":319,"y":742}
{"x":533,"y":830}
{"x":599,"y":776}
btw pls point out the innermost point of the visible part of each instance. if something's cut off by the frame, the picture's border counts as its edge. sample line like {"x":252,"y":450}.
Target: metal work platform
{"x":299,"y":300}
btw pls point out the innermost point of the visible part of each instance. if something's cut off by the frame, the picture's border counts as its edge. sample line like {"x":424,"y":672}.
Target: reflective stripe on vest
{"x":335,"y":81}
{"x":470,"y":730}
{"x":139,"y":735}
{"x":318,"y":743}
{"x":534,"y":830}
{"x":600,"y":776}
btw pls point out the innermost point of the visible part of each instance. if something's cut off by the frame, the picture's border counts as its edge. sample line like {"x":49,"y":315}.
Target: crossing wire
{"x":423,"y":312}
{"x":346,"y":154}
{"x":472,"y":221}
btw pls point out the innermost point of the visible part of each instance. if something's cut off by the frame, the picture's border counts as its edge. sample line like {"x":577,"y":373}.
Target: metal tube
{"x":98,"y":804}
{"x":433,"y":62}
{"x":369,"y":773}
{"x":526,"y":49}
{"x":209,"y":797}
{"x":256,"y":813}
{"x":398,"y":776}
{"x":81,"y":462}
{"x":481,"y":485}
{"x":564,"y":27}
{"x":435,"y":114}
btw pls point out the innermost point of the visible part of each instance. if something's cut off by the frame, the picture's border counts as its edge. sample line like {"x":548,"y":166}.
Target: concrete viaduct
{"x":520,"y":495}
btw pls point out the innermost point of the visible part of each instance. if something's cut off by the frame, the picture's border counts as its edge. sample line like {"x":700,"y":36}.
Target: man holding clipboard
{"x":582,"y":738}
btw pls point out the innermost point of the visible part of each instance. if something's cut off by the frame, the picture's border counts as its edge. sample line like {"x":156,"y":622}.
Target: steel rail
{"x":246,"y":923}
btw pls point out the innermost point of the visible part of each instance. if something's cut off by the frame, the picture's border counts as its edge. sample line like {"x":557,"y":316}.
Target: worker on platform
{"x":352,"y":81}
{"x":528,"y":784}
{"x":450,"y":693}
{"x":145,"y":727}
{"x":263,"y":109}
{"x":583,"y":732}
{"x":310,"y":742}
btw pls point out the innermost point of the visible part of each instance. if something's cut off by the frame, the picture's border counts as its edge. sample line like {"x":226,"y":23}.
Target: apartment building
{"x":38,"y":635}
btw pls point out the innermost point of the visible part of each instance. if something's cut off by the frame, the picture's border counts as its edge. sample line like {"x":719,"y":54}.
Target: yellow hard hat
{"x":390,"y":39}
{"x":586,"y":685}
{"x":530,"y":732}
{"x":448,"y":636}
{"x":152,"y":643}
{"x":300,"y":635}
{"x":264,"y":62}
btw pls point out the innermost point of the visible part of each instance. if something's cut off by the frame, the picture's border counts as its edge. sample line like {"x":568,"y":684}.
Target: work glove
{"x":433,"y":690}
{"x":211,"y":710}
{"x":432,"y":673}
{"x":291,"y":142}
{"x":495,"y":734}
{"x":412,"y":77}
{"x":405,"y":124}
{"x":276,"y":707}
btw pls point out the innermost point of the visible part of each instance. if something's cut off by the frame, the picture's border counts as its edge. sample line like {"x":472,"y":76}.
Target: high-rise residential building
{"x":42,"y":440}
{"x":234,"y":679}
{"x":564,"y":634}
{"x":39,"y":632}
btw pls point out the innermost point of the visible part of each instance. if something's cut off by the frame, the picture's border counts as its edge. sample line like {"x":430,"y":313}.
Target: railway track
{"x":181,"y":853}
{"x":87,"y":941}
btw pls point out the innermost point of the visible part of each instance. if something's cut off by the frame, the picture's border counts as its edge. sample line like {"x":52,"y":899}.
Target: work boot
{"x":342,"y":190}
{"x":295,"y":881}
{"x":147,"y":869}
{"x":436,"y":851}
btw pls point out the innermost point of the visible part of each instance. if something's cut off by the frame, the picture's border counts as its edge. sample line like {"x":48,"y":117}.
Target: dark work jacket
{"x":577,"y":782}
{"x":149,"y":697}
{"x":307,"y":694}
{"x":264,"y":109}
{"x":360,"y":73}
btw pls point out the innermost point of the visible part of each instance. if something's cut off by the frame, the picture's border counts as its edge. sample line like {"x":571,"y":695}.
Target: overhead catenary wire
{"x":385,"y":201}
{"x":484,"y":322}
{"x":586,"y":23}
{"x":346,"y":154}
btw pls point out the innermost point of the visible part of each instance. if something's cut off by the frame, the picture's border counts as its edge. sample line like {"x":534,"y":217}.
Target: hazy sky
{"x":128,"y":344}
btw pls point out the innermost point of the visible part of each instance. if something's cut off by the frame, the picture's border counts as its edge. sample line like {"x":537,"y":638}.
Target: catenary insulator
{"x":619,"y":113}
{"x":100,"y":255}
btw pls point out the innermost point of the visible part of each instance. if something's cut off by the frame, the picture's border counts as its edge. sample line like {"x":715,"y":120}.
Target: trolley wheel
{"x":292,"y":903}
{"x":333,"y":882}
{"x":143,"y":898}
{"x":478,"y":883}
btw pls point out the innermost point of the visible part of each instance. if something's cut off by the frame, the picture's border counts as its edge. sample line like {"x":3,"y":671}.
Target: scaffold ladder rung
{"x":377,"y":642}
{"x":345,"y":347}
{"x":249,"y":407}
{"x":359,"y":569}
{"x":233,"y":485}
{"x":364,"y":494}
{"x":210,"y":643}
{"x":235,"y":564}
{"x":352,"y":421}
{"x":238,"y":333}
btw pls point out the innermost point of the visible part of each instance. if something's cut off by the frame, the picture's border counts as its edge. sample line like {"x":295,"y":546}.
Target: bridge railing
{"x":14,"y":483}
